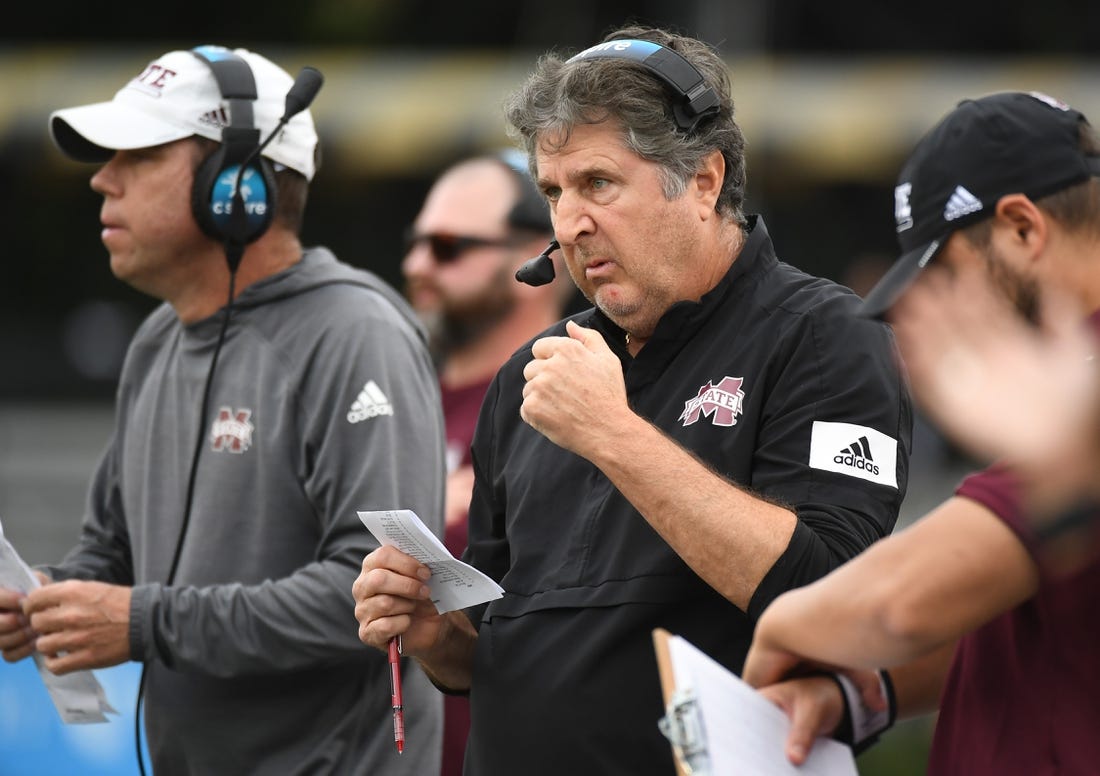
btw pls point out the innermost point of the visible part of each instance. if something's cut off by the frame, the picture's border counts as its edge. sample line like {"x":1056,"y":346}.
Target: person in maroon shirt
{"x":970,"y":609}
{"x":481,"y":220}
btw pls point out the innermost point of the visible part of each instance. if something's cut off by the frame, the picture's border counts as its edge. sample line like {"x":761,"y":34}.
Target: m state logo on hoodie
{"x":231,"y":431}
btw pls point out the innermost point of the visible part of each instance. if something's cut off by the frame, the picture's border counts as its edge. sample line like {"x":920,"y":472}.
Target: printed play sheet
{"x":454,"y":584}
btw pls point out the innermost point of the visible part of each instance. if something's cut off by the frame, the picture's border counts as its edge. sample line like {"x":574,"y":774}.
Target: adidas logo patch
{"x":872,"y":456}
{"x":857,"y":454}
{"x":961,"y":203}
{"x":370,"y":403}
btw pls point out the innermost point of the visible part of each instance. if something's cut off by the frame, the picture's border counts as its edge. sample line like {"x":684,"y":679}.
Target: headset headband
{"x":234,"y":79}
{"x":698,"y":99}
{"x":225,"y":209}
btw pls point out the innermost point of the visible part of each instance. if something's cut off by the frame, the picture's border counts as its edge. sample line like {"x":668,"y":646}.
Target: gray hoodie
{"x":324,"y":402}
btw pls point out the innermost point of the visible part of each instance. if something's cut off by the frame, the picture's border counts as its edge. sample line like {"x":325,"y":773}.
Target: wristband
{"x":861,"y":727}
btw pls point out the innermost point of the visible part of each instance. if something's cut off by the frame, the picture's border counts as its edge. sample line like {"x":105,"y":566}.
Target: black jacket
{"x":774,"y":381}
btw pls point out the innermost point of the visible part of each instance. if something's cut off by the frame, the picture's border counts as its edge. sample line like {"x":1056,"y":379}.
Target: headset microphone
{"x":302,"y":93}
{"x":540,"y":270}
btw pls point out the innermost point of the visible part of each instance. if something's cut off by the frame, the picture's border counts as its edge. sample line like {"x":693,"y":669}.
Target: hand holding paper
{"x":454,"y":584}
{"x":722,"y":725}
{"x":78,"y":696}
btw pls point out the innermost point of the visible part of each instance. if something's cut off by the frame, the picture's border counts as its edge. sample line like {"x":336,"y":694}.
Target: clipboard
{"x":682,"y":723}
{"x":717,"y":724}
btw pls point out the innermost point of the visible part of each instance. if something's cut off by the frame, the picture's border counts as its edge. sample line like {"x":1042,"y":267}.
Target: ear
{"x":1021,"y":226}
{"x":707,"y":183}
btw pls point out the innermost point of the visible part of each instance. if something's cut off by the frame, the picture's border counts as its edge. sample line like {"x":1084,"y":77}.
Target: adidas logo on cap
{"x":961,"y":203}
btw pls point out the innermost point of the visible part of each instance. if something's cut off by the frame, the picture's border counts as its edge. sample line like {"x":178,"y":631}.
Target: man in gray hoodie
{"x":274,"y":393}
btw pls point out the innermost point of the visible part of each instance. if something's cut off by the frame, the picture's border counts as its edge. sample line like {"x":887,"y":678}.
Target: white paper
{"x":78,"y":696}
{"x":745,"y":732}
{"x":454,"y":584}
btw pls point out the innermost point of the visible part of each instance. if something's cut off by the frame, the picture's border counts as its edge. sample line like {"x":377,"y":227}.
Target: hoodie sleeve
{"x":103,"y":550}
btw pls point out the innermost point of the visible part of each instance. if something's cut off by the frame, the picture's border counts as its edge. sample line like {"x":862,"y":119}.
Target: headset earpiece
{"x":216,"y":177}
{"x":212,"y":194}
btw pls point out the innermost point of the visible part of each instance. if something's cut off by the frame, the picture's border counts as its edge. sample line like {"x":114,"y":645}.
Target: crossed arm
{"x":902,"y":605}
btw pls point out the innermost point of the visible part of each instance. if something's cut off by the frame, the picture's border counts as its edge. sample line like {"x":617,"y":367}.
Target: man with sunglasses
{"x":482,"y":218}
{"x":718,"y":428}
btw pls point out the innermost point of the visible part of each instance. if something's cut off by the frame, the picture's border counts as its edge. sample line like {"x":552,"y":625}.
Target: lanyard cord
{"x":187,"y":501}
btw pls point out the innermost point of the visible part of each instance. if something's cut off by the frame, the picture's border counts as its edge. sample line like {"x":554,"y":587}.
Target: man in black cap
{"x":1002,"y":198}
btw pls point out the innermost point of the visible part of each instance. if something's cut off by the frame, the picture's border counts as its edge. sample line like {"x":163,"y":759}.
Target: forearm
{"x":449,"y":663}
{"x":919,"y":683}
{"x":913,"y":592}
{"x":844,"y":620}
{"x":830,"y":624}
{"x":729,"y":537}
{"x":848,"y":617}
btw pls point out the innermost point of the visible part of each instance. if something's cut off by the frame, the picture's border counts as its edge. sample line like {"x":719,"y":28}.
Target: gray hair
{"x":561,"y":94}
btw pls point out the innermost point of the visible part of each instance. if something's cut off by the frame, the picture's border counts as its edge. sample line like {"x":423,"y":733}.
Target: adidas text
{"x":364,"y":413}
{"x":859,"y":463}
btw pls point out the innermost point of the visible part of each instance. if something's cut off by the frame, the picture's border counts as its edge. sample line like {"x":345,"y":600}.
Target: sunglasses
{"x":446,"y":248}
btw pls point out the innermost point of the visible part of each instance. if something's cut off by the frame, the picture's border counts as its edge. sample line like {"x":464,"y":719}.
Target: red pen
{"x":395,"y":694}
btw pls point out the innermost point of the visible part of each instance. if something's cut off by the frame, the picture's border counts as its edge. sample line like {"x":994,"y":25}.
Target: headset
{"x":233,"y":196}
{"x":694,"y":101}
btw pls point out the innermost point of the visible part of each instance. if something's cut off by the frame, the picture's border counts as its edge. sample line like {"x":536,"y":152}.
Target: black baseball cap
{"x":1005,"y":143}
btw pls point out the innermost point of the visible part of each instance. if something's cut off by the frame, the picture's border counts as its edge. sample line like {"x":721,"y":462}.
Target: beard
{"x":455,"y":323}
{"x":1020,"y":289}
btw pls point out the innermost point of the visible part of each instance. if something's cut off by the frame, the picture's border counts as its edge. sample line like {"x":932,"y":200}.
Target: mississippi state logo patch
{"x":721,"y":402}
{"x":232,"y":431}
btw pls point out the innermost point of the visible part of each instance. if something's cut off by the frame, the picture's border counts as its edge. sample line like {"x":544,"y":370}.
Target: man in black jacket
{"x":719,"y":428}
